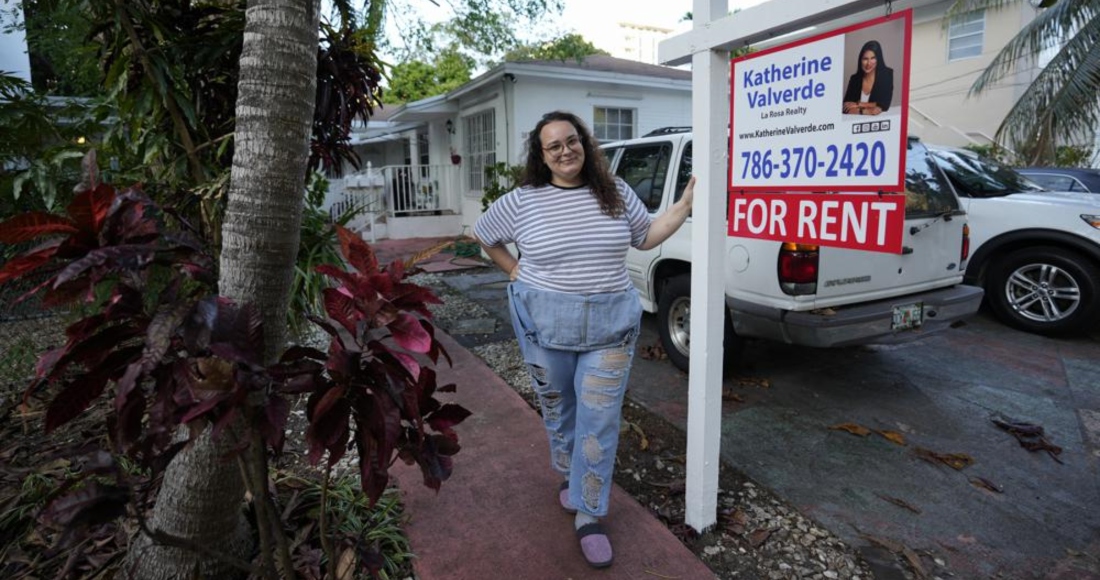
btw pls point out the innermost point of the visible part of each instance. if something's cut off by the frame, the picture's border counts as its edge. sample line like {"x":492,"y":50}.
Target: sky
{"x":13,"y":46}
{"x":597,"y":20}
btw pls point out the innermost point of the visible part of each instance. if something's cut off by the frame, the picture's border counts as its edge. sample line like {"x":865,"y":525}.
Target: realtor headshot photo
{"x":873,"y":61}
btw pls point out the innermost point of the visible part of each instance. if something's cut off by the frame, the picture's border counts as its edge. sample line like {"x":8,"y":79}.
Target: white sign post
{"x":710,"y":100}
{"x":706,"y":46}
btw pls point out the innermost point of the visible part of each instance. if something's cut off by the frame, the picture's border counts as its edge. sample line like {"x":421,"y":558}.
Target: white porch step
{"x":416,"y":226}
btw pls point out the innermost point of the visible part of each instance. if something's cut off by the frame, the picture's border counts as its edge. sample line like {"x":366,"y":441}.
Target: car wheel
{"x":674,"y":324}
{"x":1045,"y":290}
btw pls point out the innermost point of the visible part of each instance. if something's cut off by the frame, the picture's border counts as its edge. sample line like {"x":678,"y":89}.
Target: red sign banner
{"x":860,"y":221}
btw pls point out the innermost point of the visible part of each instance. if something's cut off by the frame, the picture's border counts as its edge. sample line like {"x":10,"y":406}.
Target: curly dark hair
{"x":596,"y":172}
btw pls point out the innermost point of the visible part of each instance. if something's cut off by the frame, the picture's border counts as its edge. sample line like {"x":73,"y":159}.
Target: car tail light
{"x":966,"y":243}
{"x":798,"y":268}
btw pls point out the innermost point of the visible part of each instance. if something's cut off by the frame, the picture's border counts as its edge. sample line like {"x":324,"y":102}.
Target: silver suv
{"x":797,"y":293}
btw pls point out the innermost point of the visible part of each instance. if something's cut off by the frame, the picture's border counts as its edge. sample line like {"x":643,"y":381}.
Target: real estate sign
{"x":824,"y":114}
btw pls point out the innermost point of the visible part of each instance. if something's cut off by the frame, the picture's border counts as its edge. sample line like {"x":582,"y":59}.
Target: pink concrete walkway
{"x":498,"y":516}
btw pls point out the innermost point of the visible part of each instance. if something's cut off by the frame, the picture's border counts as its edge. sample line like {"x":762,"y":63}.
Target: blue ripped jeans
{"x":578,"y":350}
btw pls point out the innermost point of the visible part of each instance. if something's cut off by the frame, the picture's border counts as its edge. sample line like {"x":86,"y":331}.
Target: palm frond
{"x":961,"y":7}
{"x":425,"y":254}
{"x":1061,"y":103}
{"x":1067,"y":19}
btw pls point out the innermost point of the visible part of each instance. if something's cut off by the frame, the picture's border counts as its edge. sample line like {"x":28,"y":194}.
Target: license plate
{"x":908,"y":316}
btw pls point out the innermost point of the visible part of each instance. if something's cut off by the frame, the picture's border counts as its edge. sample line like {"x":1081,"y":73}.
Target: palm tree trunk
{"x":274,"y":115}
{"x":202,"y":493}
{"x":200,"y":502}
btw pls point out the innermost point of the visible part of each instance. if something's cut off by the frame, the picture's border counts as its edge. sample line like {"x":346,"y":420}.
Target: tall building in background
{"x":639,"y":42}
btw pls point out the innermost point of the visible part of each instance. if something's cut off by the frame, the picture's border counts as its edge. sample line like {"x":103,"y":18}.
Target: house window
{"x":481,"y":151}
{"x":613,"y":124}
{"x":965,"y":34}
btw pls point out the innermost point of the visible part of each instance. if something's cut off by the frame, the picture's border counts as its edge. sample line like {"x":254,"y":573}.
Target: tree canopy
{"x":483,"y":29}
{"x":567,"y":47}
{"x":449,"y":68}
{"x":413,"y":80}
{"x":63,"y":58}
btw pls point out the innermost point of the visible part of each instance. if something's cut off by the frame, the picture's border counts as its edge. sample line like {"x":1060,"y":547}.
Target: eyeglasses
{"x":557,"y":148}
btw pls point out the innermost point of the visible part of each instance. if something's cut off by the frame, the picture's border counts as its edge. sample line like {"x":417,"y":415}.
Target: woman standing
{"x":871,"y":87}
{"x":574,"y":311}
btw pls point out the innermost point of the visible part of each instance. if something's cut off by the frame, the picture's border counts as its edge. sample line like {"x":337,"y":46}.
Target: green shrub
{"x":500,"y":178}
{"x":318,"y":245}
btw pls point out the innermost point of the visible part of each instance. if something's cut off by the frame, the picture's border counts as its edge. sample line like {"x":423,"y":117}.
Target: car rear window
{"x":975,"y":176}
{"x":926,"y":191}
{"x":1056,"y":182}
{"x":644,"y":168}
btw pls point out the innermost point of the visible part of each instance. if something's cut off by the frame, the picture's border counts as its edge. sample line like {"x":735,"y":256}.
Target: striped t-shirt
{"x":565,"y":242}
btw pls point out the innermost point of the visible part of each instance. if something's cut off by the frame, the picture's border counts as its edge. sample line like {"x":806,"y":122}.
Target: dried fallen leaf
{"x":984,"y":483}
{"x":852,"y":428}
{"x":758,"y":537}
{"x":901,"y":550}
{"x":683,"y":531}
{"x":214,"y":374}
{"x":893,"y":437}
{"x":914,"y":561}
{"x":729,"y":395}
{"x":736,"y":522}
{"x":643,"y":442}
{"x":900,"y":503}
{"x":1030,"y":436}
{"x":957,"y":461}
{"x":345,"y":569}
{"x":653,"y":352}
{"x":753,"y":382}
{"x":1017,"y":428}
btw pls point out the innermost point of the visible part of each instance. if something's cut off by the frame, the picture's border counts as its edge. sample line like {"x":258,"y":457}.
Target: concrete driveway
{"x":1011,"y":513}
{"x":938,"y":396}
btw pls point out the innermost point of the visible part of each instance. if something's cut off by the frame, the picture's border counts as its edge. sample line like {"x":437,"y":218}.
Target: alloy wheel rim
{"x":1042,"y":293}
{"x":679,"y":325}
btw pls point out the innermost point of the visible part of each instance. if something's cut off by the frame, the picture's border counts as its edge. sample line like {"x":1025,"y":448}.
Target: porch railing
{"x":406,"y":190}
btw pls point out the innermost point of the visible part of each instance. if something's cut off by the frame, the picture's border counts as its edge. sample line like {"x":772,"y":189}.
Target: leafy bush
{"x":500,"y":178}
{"x":173,"y":353}
{"x":40,"y":154}
{"x":1073,"y":156}
{"x":993,"y":151}
{"x":318,"y":245}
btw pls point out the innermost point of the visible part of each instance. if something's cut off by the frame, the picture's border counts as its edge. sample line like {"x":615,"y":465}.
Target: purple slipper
{"x":563,"y":498}
{"x":595,"y":546}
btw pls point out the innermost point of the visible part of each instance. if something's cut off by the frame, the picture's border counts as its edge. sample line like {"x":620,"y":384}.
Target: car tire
{"x":1045,"y":290}
{"x":674,"y":326}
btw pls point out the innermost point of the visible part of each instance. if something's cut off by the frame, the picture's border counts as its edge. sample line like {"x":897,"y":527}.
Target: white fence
{"x":391,"y":192}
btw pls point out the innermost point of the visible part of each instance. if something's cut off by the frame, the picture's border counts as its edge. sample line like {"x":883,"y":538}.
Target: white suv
{"x":804,"y":294}
{"x":1036,"y":252}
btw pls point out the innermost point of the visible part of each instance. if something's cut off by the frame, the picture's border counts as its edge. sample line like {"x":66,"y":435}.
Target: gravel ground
{"x":758,"y":536}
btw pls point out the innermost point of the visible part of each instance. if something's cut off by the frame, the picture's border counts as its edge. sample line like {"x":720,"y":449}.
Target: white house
{"x":946,"y":59}
{"x":424,"y":162}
